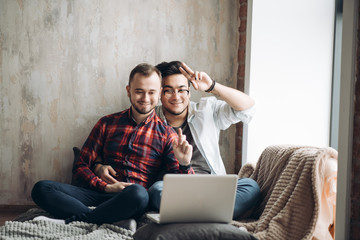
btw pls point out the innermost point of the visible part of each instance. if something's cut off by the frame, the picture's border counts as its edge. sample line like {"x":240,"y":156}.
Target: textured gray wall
{"x":64,"y":64}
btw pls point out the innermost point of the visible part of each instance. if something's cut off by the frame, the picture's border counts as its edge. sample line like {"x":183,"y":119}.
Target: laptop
{"x":196,"y":198}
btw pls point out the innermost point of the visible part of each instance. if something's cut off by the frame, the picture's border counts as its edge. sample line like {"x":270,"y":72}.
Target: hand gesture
{"x":182,"y":149}
{"x":200,"y":80}
{"x":117,"y":187}
{"x":106,"y":173}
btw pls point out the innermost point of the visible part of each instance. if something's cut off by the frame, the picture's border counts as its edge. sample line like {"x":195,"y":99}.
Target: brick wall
{"x":241,"y":78}
{"x":355,"y":178}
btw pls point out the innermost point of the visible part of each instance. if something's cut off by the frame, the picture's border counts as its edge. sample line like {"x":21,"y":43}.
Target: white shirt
{"x":206,"y":118}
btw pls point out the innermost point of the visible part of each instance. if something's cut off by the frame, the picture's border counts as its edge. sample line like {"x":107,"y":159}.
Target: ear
{"x":128,"y":90}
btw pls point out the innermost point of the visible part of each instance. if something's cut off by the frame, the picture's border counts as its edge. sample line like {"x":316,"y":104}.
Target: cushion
{"x":75,"y":181}
{"x":191,"y":231}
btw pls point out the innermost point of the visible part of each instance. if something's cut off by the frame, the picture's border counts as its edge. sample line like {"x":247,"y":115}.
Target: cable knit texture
{"x":49,"y":230}
{"x":291,"y":180}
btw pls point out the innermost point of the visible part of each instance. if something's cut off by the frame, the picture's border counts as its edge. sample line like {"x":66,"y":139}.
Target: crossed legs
{"x":72,"y":203}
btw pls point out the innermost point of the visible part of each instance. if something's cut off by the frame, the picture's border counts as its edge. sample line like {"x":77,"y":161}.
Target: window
{"x":290,"y":77}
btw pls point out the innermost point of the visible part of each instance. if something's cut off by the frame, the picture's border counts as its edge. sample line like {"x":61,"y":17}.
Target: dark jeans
{"x":247,"y":196}
{"x":71,"y":203}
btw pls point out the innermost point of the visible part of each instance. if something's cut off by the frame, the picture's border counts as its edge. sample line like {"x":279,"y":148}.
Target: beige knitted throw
{"x":290,"y":179}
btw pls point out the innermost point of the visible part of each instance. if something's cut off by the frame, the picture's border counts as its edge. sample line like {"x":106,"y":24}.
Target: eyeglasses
{"x":168,"y":93}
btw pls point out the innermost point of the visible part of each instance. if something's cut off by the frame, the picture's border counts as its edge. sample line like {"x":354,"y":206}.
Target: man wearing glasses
{"x":201,"y":123}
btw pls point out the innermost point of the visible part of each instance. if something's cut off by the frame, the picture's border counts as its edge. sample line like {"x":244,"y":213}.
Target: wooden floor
{"x":9,"y":212}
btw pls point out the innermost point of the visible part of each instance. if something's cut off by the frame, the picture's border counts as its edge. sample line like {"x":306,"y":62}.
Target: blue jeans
{"x":71,"y":203}
{"x":247,"y":196}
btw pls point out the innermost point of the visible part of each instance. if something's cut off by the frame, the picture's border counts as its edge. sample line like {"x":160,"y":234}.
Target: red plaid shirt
{"x":136,"y":152}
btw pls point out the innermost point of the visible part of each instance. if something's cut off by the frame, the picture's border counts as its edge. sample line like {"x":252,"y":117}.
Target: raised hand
{"x":200,"y":80}
{"x":182,"y":149}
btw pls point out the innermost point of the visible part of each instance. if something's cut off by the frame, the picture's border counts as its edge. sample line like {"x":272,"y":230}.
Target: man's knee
{"x":155,"y":195}
{"x":40,"y":188}
{"x":247,"y":197}
{"x":138,"y":195}
{"x":156,"y":188}
{"x":249,"y":185}
{"x":248,"y":190}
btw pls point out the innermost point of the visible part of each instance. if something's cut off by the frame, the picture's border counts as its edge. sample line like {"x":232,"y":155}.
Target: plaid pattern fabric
{"x":136,"y":152}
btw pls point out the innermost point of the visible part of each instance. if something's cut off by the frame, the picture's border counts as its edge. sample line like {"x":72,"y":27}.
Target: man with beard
{"x":136,"y":144}
{"x":201,"y":123}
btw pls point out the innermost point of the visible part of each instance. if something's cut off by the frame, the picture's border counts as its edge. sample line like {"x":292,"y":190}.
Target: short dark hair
{"x":169,"y":68}
{"x":144,"y":69}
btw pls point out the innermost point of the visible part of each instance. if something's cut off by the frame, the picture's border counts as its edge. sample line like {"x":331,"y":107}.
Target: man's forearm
{"x":97,"y":168}
{"x":85,"y":175}
{"x":238,"y":100}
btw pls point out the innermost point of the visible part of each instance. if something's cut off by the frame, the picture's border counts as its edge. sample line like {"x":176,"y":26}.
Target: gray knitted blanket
{"x":48,"y":230}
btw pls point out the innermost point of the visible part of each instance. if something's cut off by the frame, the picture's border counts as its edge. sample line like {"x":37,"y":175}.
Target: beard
{"x":140,"y":109}
{"x":143,"y":110}
{"x":173,"y":112}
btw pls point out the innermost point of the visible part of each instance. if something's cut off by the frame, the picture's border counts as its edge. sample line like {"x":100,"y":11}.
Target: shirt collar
{"x":146,"y":121}
{"x":191,"y":112}
{"x":190,"y":115}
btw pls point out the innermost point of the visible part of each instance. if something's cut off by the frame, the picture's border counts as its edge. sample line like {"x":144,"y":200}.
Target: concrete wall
{"x":64,"y":64}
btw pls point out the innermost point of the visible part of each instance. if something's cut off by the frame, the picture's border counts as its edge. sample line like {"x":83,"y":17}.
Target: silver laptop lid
{"x":198,"y":198}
